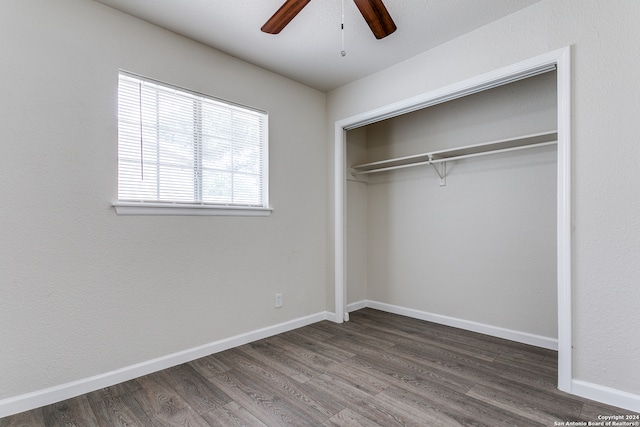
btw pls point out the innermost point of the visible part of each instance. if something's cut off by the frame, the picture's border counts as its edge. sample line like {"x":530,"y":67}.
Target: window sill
{"x":141,"y":208}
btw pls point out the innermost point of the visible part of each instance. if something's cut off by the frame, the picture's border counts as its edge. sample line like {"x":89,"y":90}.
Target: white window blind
{"x":179,"y":147}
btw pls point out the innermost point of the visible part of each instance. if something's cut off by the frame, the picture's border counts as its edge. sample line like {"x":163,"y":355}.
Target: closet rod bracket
{"x":357,"y":176}
{"x":441,"y":170}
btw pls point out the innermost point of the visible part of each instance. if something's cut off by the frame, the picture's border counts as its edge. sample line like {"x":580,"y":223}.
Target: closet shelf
{"x":442,"y":156}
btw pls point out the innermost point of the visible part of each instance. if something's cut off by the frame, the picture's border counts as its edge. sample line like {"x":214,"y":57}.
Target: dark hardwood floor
{"x":379,"y":369}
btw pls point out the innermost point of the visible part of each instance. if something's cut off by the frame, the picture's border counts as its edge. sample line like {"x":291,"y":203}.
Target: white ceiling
{"x":308,"y":49}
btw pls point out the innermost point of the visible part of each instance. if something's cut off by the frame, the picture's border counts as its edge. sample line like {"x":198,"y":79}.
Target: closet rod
{"x":447,"y":159}
{"x":389,"y":168}
{"x":499,"y":150}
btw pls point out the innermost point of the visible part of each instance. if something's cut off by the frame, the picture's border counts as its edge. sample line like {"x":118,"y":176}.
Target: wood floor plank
{"x":343,"y":391}
{"x":400,"y":327}
{"x":122,"y":410}
{"x":209,"y":366}
{"x":359,"y":378}
{"x":278,"y":359}
{"x":386,"y":412}
{"x":538,"y":378}
{"x":264,"y":405}
{"x":113,"y":391}
{"x":450,"y":366}
{"x":447,"y":360}
{"x":540,"y":408}
{"x":348,"y":418}
{"x":398,"y":367}
{"x":315,"y":334}
{"x":33,"y":418}
{"x":232,"y":415}
{"x":252,"y":372}
{"x":420,"y":409}
{"x":163,"y":405}
{"x":488,"y":354}
{"x":319,"y":347}
{"x":195,"y":389}
{"x":304,"y":355}
{"x":356,"y":346}
{"x":351,"y":333}
{"x":551,"y":401}
{"x":427,"y":339}
{"x":75,"y":412}
{"x":363,"y":403}
{"x":450,"y":400}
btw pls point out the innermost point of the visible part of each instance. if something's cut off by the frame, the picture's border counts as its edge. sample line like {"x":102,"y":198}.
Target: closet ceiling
{"x":308,"y":49}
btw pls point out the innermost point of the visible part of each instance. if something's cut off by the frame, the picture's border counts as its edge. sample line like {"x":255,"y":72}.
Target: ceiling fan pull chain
{"x":343,"y":52}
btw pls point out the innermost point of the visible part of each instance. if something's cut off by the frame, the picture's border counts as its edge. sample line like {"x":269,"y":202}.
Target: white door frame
{"x":561,"y":59}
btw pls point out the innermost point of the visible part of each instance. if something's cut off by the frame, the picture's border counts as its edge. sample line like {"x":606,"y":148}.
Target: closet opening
{"x":454,"y":207}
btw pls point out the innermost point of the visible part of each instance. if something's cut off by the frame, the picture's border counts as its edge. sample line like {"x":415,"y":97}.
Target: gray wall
{"x":605,"y":155}
{"x":84,"y":291}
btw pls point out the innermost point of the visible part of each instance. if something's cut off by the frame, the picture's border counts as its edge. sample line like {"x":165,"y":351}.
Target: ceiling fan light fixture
{"x":374,"y":13}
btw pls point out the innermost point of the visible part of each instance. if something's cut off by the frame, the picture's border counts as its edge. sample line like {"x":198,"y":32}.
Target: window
{"x":179,"y":149}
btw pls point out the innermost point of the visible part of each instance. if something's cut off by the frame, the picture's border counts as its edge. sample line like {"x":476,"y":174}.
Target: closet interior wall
{"x":482,"y":248}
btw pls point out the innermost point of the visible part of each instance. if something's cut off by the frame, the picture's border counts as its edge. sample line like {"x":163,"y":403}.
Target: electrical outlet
{"x":278,"y":300}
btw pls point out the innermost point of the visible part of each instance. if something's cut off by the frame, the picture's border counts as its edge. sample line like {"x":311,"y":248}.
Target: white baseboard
{"x":25,"y":402}
{"x":355,"y":306}
{"x":495,"y":331}
{"x":607,"y":395}
{"x":330,"y":316}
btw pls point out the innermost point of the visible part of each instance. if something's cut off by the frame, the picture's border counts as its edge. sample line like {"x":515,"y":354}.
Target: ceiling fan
{"x":373,"y":11}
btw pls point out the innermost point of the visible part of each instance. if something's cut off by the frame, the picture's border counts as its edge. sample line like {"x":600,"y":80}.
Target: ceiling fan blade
{"x":377,"y":16}
{"x":284,"y":15}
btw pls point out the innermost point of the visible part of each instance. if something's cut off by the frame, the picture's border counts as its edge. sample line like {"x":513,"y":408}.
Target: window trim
{"x":185,"y":209}
{"x":130,"y":207}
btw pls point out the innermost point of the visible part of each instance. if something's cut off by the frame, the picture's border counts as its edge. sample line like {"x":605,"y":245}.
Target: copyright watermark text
{"x":631,"y":420}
